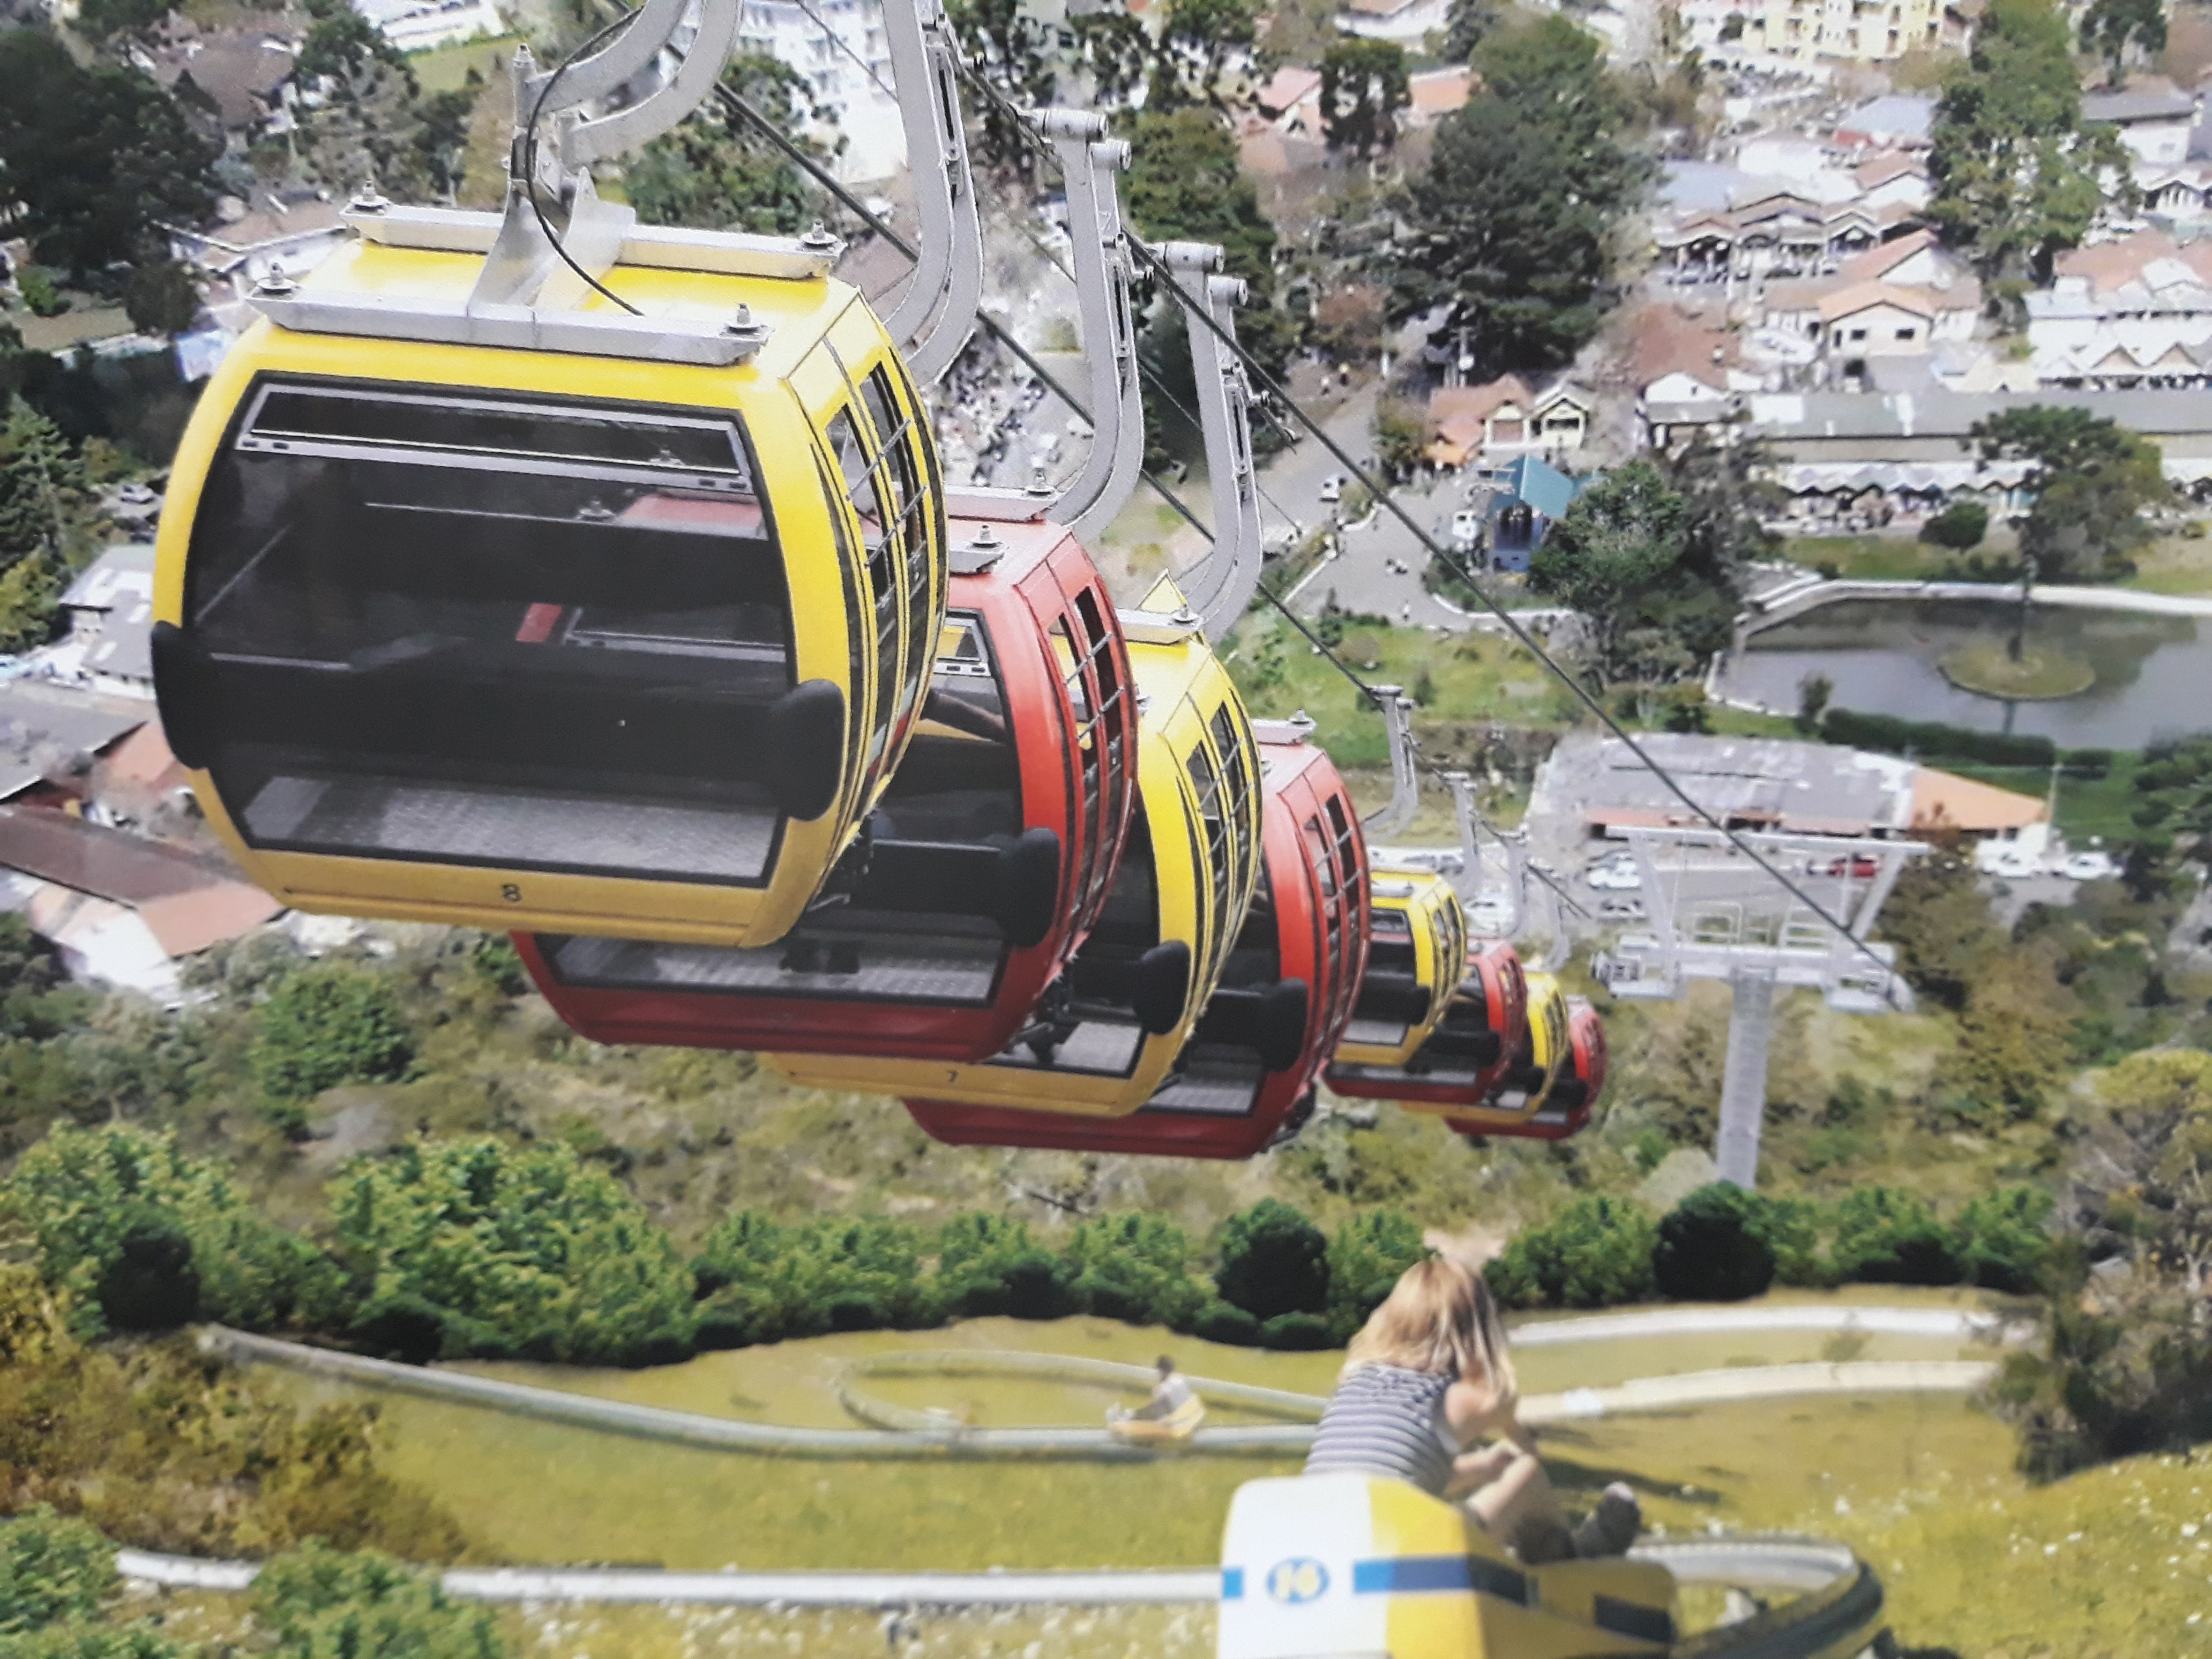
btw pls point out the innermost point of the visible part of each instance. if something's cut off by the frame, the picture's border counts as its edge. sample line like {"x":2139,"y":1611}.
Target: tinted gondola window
{"x":916,"y":930}
{"x":472,"y":628}
{"x":1390,"y":995}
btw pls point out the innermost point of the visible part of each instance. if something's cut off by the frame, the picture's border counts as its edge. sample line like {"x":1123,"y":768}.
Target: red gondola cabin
{"x":979,"y":873}
{"x":1566,"y":1110}
{"x":1247,"y":1075}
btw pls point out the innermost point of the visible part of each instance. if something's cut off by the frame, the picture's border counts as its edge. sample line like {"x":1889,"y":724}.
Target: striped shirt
{"x":1386,"y":1421}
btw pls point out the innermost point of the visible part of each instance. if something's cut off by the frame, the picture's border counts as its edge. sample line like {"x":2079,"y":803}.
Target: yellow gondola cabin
{"x":565,"y":620}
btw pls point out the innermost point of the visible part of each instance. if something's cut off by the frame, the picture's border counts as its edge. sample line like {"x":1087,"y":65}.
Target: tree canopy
{"x":1655,"y":582}
{"x":714,"y":170}
{"x":2091,"y":479}
{"x":2110,"y":29}
{"x":1511,"y":227}
{"x":1364,"y":89}
{"x":99,"y":158}
{"x":2015,"y":171}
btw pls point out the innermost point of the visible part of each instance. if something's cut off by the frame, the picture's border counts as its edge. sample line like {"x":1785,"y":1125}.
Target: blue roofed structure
{"x":1527,"y":500}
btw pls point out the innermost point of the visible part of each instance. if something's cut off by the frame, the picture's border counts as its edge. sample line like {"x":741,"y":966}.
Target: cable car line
{"x":736,"y":102}
{"x":1387,"y":499}
{"x":528,"y":162}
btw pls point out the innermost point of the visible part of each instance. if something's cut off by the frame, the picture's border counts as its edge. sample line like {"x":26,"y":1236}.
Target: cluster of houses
{"x":1798,"y":293}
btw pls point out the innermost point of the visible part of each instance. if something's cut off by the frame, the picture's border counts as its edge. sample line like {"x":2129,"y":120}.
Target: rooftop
{"x":2123,"y":107}
{"x":188,"y":902}
{"x":45,"y":731}
{"x":1766,"y":782}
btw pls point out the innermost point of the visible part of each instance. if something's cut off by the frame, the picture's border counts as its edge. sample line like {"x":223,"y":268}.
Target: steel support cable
{"x":1384,"y":498}
{"x":1038,"y":243}
{"x":821,"y":176}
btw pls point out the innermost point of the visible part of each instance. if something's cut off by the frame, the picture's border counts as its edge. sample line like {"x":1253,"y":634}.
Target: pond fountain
{"x":2093,"y":678}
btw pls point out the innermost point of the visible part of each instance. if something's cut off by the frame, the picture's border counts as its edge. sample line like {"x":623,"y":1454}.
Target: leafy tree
{"x":1713,"y":1247}
{"x":2013,"y":1051}
{"x":42,"y":485}
{"x":1511,"y":228}
{"x":97,"y":158}
{"x":441,"y":139}
{"x":2016,"y":174}
{"x":2109,"y":29}
{"x":715,"y":169}
{"x":513,"y":1252}
{"x":1365,"y":1257}
{"x":82,"y":1194}
{"x":1625,"y":557}
{"x":762,"y":1281}
{"x":1814,"y":692}
{"x":2091,"y":480}
{"x":1960,"y":525}
{"x":320,"y":1604}
{"x":162,"y":297}
{"x":327,"y":1024}
{"x":1116,"y":50}
{"x":1014,"y":53}
{"x":1467,"y":25}
{"x":105,"y":21}
{"x":1135,"y":1266}
{"x":2004,"y":1237}
{"x":988,"y":1264}
{"x":1596,"y":1253}
{"x":151,"y":1286}
{"x":1886,"y":1236}
{"x":42,"y":298}
{"x":52,"y":1571}
{"x":1186,"y":185}
{"x":1363,"y":90}
{"x":1195,"y":41}
{"x":1272,"y":1260}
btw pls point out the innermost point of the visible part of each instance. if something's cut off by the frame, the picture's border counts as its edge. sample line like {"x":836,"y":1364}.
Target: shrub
{"x":1793,"y":1233}
{"x":151,"y":1284}
{"x":325,"y":1025}
{"x":80,"y":1193}
{"x":1961,"y":526}
{"x":52,"y":1569}
{"x":495,"y":956}
{"x":1369,"y":1252}
{"x":1298,"y":1332}
{"x":1596,"y":1253}
{"x":2003,"y":1237}
{"x":319,"y":1603}
{"x":761,"y":1282}
{"x":1885,"y":1236}
{"x":1712,"y":1247}
{"x":1933,"y":740}
{"x":1273,"y":1261}
{"x":1134,"y":1267}
{"x":523,"y":1252}
{"x":988,"y":1264}
{"x":1219,"y":1322}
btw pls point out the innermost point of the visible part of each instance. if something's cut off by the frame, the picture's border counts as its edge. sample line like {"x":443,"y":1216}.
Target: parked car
{"x":1615,"y":875}
{"x":1621,"y":909}
{"x":1466,"y":530}
{"x":1859,"y":864}
{"x":1332,"y":488}
{"x":2088,"y":866}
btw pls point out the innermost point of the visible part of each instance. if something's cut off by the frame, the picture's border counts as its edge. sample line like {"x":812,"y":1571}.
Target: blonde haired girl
{"x":1429,"y":1375}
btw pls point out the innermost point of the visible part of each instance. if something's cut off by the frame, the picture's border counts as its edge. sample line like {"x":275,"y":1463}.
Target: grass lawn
{"x":2086,"y":806}
{"x":2172,"y":564}
{"x":445,"y":68}
{"x":1456,"y":680}
{"x":1872,"y":558}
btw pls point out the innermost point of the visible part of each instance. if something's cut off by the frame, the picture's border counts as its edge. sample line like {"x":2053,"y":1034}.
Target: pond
{"x":1882,"y":655}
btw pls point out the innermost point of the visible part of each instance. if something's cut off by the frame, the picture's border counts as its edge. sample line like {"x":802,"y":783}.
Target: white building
{"x":419,"y":25}
{"x":838,"y":45}
{"x":2153,"y":124}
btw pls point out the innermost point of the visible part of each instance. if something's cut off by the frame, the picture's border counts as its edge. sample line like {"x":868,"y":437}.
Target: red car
{"x":1859,"y":864}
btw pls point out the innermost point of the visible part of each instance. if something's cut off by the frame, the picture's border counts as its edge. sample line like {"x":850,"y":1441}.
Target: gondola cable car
{"x":1245,"y":1079}
{"x":1106,"y":1038}
{"x":484,"y":599}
